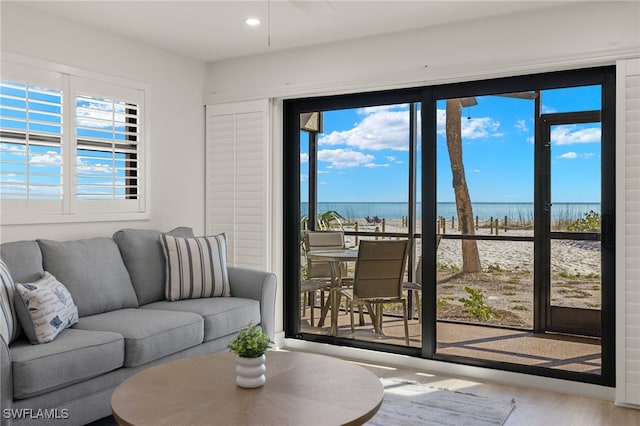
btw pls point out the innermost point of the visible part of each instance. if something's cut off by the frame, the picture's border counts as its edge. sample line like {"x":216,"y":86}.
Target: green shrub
{"x":475,"y":305}
{"x":589,"y":223}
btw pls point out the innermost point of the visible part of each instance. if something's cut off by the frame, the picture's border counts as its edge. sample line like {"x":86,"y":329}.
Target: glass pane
{"x":485,"y":189}
{"x":488,"y":142}
{"x":363,"y":166}
{"x":500,"y":294}
{"x":361,"y":170}
{"x":575,"y":177}
{"x":571,"y":99}
{"x":576,"y":274}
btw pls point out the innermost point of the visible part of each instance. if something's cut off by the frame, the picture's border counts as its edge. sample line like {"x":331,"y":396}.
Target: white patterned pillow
{"x":196,"y":267}
{"x":9,"y":326}
{"x":45,"y":308}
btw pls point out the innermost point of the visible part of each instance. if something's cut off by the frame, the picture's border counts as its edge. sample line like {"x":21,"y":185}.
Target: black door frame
{"x":548,"y":317}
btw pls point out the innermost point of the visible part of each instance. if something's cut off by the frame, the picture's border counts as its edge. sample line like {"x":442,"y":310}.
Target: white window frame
{"x":71,"y":208}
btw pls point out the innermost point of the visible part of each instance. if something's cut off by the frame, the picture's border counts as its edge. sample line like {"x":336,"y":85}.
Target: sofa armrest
{"x":6,"y":383}
{"x":260,"y":286}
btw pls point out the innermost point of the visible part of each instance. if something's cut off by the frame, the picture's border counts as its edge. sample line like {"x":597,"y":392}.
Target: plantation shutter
{"x":237,"y":180}
{"x":31,"y":132}
{"x":107,"y":129}
{"x":628,"y":234}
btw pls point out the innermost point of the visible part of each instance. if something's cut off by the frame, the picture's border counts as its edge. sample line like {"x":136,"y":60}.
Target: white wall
{"x":567,"y":37}
{"x":174,"y":109}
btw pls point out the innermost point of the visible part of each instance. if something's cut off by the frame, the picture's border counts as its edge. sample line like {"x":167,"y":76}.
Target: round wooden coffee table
{"x":301,"y":389}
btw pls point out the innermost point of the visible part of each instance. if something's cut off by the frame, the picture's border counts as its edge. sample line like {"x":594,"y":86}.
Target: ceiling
{"x":212,"y":30}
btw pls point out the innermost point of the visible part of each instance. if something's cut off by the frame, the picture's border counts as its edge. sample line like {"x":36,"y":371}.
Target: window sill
{"x":71,"y":218}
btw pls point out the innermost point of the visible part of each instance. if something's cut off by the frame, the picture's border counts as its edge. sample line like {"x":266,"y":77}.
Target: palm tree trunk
{"x":470,"y":255}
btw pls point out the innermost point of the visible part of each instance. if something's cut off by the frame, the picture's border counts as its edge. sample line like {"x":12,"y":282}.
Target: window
{"x":71,"y":147}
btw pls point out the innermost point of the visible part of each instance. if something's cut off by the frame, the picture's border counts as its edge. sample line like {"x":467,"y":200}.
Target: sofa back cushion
{"x":143,"y":257}
{"x":24,"y":260}
{"x":93,"y":271}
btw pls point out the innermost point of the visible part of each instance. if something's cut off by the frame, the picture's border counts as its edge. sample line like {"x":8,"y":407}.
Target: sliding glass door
{"x":504,"y":189}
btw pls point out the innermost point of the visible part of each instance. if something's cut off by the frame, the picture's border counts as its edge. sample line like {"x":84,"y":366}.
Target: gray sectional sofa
{"x":125,"y":324}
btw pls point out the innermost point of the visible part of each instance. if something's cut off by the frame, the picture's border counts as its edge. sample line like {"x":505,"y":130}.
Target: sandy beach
{"x":570,"y":257}
{"x":506,"y":280}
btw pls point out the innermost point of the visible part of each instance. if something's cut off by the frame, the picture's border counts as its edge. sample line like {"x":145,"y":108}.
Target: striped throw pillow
{"x":196,"y":267}
{"x":9,"y":325}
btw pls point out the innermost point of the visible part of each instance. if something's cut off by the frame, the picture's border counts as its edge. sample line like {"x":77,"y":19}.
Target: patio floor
{"x":571,"y":353}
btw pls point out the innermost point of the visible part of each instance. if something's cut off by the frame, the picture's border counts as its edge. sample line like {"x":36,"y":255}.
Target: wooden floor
{"x":533,"y":407}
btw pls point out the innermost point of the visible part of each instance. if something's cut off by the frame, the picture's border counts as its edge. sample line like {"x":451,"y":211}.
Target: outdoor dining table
{"x":335,"y":258}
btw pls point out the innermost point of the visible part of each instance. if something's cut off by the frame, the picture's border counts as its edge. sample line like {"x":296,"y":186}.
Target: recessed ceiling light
{"x":252,"y":22}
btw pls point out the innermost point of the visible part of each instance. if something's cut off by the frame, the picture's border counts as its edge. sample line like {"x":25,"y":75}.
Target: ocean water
{"x":514,"y":211}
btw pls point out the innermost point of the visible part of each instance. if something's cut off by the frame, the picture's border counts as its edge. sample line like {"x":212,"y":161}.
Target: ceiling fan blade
{"x":520,"y":95}
{"x":314,"y":7}
{"x":467,"y":102}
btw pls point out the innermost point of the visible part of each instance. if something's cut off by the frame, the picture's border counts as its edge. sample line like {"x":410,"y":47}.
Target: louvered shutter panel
{"x":107,"y":131}
{"x":628,"y":114}
{"x":237,"y":180}
{"x":31,"y":140}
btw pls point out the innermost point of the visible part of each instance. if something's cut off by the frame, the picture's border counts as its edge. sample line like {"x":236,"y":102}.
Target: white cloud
{"x":93,"y":168}
{"x":13,"y":148}
{"x":345,"y":158}
{"x":521,"y":125}
{"x":96,"y":112}
{"x":567,"y":135}
{"x":573,"y":155}
{"x":473,"y":128}
{"x":479,"y":128}
{"x":383,"y":127}
{"x":304,"y":158}
{"x":49,"y":158}
{"x":568,"y":155}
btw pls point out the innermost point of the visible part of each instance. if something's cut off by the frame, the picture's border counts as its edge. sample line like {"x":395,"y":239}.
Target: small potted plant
{"x":250,"y":345}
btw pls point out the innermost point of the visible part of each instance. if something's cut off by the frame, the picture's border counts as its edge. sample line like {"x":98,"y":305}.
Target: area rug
{"x":410,"y":403}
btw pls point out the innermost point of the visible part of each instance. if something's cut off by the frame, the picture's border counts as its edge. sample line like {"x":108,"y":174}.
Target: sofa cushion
{"x":222,"y":315}
{"x":93,"y":272}
{"x":24,"y":260}
{"x":196,"y":267}
{"x":45,"y":308}
{"x":74,"y":356}
{"x":9,"y":325}
{"x":142,"y":254}
{"x":148,"y":334}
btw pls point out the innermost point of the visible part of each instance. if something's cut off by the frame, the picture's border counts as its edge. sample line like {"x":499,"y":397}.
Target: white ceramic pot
{"x":250,"y":372}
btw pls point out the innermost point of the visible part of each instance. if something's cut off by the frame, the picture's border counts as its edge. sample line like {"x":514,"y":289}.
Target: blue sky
{"x":363,"y":153}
